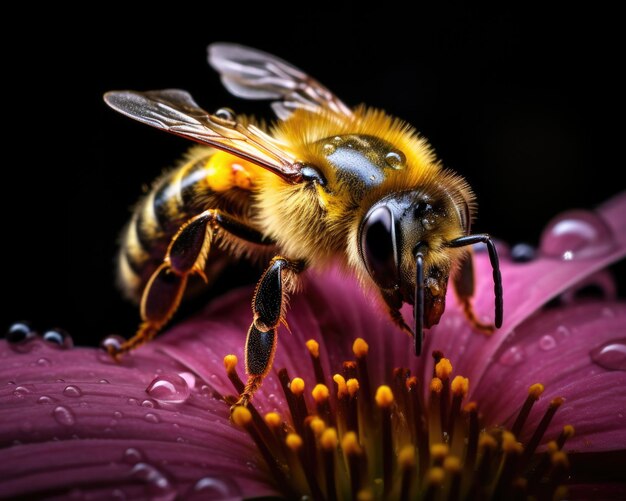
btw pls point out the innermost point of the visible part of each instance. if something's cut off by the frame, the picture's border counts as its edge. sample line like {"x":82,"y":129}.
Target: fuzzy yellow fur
{"x":318,"y":227}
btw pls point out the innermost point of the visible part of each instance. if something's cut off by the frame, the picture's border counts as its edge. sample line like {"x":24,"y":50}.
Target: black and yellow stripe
{"x":203,"y":182}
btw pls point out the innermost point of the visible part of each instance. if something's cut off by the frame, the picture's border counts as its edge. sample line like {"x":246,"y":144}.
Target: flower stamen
{"x":331,"y":448}
{"x":534,"y":392}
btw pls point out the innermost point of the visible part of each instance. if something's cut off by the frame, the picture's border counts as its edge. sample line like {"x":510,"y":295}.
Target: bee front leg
{"x":268,"y":307}
{"x":186,"y":255}
{"x":463,"y":281}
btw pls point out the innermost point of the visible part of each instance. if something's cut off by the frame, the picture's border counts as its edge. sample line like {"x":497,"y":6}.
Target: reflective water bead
{"x":58,"y":337}
{"x":577,"y":234}
{"x":611,"y":355}
{"x":169,"y":388}
{"x":63,"y":415}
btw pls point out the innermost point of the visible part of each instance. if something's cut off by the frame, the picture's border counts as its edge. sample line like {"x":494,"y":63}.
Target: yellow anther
{"x":436,"y":385}
{"x":435,"y":475}
{"x":329,"y":439}
{"x":439,"y":451}
{"x":293,"y":441}
{"x":460,"y":386}
{"x":535,"y":390}
{"x":406,"y":457}
{"x":320,"y":393}
{"x":353,"y":386}
{"x":452,"y":464}
{"x":241,"y":416}
{"x":230,"y":363}
{"x":350,"y":443}
{"x":273,"y":419}
{"x":443,"y":369}
{"x":342,"y":389}
{"x":317,"y":425}
{"x":297,"y":386}
{"x":384,"y":396}
{"x":360,"y":347}
{"x":313,"y":347}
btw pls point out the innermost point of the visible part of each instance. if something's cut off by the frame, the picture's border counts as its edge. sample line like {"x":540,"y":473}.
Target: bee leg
{"x":463,"y":281}
{"x":186,"y":255}
{"x":268,"y":307}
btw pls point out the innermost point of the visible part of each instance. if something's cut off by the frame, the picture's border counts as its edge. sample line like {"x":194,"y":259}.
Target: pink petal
{"x":527,"y":287}
{"x":554,"y":348}
{"x":73,"y":421}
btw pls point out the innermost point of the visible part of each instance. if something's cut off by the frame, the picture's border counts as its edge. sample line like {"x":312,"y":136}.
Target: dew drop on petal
{"x":577,"y":234}
{"x":133,"y":455}
{"x":132,"y":401}
{"x":158,"y":486}
{"x":547,"y":342}
{"x":610,"y":355}
{"x":19,"y":337}
{"x":45,"y":399}
{"x":169,"y":388}
{"x":64,"y":415}
{"x":21,"y":391}
{"x":523,"y":253}
{"x":214,"y":488}
{"x":152,"y":418}
{"x":58,"y":337}
{"x":44,"y":362}
{"x":189,"y":378}
{"x":512,"y":356}
{"x":103,"y":381}
{"x":117,"y":415}
{"x":72,"y":391}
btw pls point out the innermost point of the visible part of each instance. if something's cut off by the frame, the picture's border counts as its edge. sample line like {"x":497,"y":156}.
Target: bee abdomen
{"x":209,"y":179}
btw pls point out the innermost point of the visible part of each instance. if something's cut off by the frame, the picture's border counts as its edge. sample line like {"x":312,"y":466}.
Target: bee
{"x":324,"y":184}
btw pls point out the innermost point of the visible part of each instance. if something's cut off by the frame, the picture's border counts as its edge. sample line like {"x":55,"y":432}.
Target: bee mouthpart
{"x":418,"y":303}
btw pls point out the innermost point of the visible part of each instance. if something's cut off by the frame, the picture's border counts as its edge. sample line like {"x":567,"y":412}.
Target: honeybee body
{"x":324,"y":184}
{"x":206,"y":179}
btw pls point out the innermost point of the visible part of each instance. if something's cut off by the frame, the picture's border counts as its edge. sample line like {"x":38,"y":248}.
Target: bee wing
{"x":252,"y":74}
{"x":175,"y":111}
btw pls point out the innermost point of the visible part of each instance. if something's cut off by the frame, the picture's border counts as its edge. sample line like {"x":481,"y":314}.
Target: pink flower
{"x":74,"y":424}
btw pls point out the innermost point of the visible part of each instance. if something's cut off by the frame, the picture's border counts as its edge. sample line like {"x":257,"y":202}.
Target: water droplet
{"x":103,"y":381}
{"x":148,"y":403}
{"x":189,"y":378}
{"x":45,"y":399}
{"x":21,"y":391}
{"x":44,"y":362}
{"x":72,"y":391}
{"x":214,"y":488}
{"x":152,"y":418}
{"x":19,"y":336}
{"x":169,"y":388}
{"x":523,"y":253}
{"x":64,"y":415}
{"x":512,"y":356}
{"x":118,"y":494}
{"x":159,"y":487}
{"x":547,"y":342}
{"x":132,"y":455}
{"x":113,"y":343}
{"x":577,"y":234}
{"x":133,"y":401}
{"x":611,"y":355}
{"x":329,"y":148}
{"x":395,"y":159}
{"x":58,"y":337}
{"x":337,"y":140}
{"x":117,"y":415}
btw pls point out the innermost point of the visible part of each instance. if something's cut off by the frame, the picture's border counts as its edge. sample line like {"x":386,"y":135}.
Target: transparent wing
{"x":252,"y":74}
{"x":175,"y":111}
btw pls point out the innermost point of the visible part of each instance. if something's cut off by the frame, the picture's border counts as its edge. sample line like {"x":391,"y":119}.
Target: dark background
{"x":521,"y":102}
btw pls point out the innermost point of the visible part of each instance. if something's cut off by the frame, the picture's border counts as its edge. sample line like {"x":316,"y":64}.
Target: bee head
{"x":403,"y":242}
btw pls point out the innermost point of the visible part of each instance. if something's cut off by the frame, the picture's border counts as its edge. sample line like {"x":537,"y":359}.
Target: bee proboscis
{"x":325,"y":183}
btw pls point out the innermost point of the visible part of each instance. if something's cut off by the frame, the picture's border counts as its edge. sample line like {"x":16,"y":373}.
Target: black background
{"x":521,"y":101}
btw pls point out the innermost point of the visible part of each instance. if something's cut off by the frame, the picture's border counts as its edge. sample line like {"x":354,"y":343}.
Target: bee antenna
{"x":418,"y":307}
{"x":495,"y":266}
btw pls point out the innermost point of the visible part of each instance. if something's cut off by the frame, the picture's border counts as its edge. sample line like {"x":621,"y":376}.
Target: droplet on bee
{"x":225,"y":114}
{"x":329,"y":148}
{"x":395,"y":159}
{"x":337,"y":140}
{"x":58,"y":337}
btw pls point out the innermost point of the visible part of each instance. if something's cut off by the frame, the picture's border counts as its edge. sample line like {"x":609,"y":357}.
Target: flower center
{"x":397,"y":440}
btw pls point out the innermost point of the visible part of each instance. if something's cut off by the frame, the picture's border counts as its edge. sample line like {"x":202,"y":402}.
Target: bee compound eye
{"x":379,"y":247}
{"x":225,"y":114}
